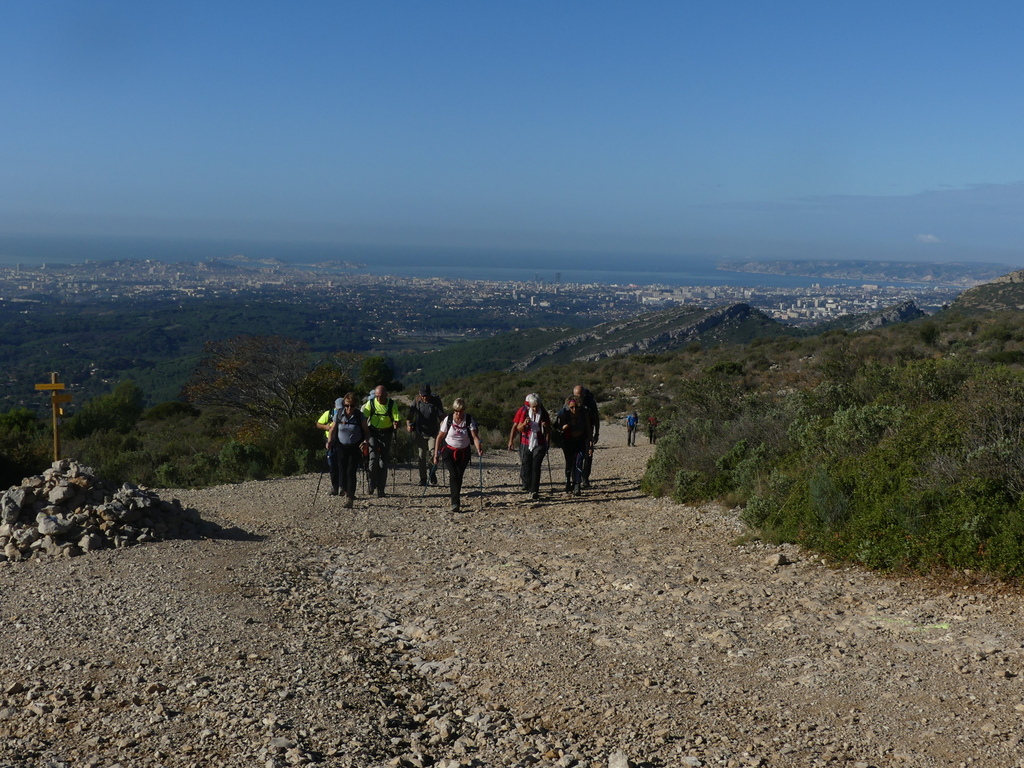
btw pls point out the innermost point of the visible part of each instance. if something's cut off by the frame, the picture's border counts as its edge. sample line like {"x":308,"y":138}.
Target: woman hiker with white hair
{"x":458,"y":431}
{"x":532,"y":425}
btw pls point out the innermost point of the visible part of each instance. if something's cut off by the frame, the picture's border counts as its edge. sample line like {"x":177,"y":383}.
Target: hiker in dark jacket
{"x":587,"y":402}
{"x":423,"y":420}
{"x":574,"y":423}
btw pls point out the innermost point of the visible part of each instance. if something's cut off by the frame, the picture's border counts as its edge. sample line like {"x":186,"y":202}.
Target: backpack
{"x":388,"y":410}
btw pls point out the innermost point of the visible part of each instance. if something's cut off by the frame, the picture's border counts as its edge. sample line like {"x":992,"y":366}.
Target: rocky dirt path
{"x":601,"y":631}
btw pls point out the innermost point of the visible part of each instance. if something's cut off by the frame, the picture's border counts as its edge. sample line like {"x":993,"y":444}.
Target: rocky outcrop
{"x":67,"y":511}
{"x":1013,"y":277}
{"x":901,"y":313}
{"x":611,"y":339}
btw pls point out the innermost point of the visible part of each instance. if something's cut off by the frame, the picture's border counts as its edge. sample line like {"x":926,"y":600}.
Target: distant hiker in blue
{"x":631,"y":424}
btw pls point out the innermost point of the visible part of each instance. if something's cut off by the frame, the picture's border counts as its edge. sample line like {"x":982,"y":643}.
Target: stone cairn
{"x":67,"y":511}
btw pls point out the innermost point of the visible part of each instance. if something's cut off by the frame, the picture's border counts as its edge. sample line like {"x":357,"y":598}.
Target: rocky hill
{"x":1006,"y":292}
{"x":657,"y":332}
{"x":903,"y":312}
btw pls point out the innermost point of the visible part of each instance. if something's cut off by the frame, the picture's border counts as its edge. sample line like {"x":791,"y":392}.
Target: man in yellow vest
{"x":382,"y":417}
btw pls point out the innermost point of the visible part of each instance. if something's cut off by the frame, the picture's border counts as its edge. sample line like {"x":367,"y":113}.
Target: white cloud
{"x":927,"y":239}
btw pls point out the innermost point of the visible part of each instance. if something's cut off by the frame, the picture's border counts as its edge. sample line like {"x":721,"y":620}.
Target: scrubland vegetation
{"x":898,"y":448}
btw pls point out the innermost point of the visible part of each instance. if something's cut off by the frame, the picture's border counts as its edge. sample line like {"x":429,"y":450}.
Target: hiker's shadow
{"x":234,"y":533}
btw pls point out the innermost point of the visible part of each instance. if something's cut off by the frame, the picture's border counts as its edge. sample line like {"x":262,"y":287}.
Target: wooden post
{"x":56,"y":398}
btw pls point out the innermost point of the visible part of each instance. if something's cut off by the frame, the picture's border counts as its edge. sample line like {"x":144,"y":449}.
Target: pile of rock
{"x":67,"y":511}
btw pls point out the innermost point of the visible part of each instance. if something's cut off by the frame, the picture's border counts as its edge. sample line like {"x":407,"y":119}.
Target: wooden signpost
{"x":56,"y":398}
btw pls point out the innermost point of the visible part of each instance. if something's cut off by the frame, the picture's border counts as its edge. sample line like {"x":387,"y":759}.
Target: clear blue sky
{"x":759,"y":129}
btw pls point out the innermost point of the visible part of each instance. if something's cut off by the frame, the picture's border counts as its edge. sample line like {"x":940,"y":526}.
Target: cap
{"x":425,"y":389}
{"x":339,"y":403}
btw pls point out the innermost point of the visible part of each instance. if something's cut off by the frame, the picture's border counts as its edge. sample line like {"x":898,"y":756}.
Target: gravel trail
{"x":601,"y":631}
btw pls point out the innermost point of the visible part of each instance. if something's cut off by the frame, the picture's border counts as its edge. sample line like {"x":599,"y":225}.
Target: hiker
{"x":587,"y":402}
{"x":652,"y":429}
{"x":347,"y":434}
{"x":632,"y":421}
{"x":423,"y":420}
{"x":532,"y":426}
{"x":574,"y":423}
{"x":382,"y":417}
{"x":458,"y":431}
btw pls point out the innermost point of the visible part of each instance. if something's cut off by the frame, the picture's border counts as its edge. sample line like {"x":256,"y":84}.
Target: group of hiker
{"x":578,"y":424}
{"x":633,"y":425}
{"x":358,"y":434}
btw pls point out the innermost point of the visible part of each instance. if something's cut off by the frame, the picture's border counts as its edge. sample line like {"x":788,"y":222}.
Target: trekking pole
{"x":313,"y":505}
{"x":481,"y":464}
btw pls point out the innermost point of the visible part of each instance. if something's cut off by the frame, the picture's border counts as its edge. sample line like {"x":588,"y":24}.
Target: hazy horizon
{"x":731,"y":130}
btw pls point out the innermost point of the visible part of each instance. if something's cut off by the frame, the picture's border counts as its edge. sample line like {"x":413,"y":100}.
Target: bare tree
{"x":271,"y":378}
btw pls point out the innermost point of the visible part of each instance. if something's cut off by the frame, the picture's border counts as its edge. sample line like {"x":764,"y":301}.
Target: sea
{"x":493,"y":264}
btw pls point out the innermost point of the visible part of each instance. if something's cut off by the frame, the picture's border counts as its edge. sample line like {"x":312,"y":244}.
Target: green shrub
{"x":26,"y":446}
{"x":660,"y":476}
{"x":118,"y":412}
{"x":172,"y":409}
{"x":237,"y":462}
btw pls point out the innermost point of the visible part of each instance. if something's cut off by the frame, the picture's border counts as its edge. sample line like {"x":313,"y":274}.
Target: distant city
{"x":814,"y":302}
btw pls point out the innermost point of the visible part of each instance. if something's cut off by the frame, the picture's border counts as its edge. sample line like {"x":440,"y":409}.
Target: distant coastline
{"x":495,"y":265}
{"x":954,"y":274}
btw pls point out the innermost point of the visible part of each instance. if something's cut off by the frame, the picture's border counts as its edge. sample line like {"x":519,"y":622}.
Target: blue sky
{"x":731,"y":129}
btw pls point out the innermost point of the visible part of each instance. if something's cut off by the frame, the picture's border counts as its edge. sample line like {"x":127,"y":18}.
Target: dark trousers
{"x":424,"y":448}
{"x":530,"y":465}
{"x":588,"y":462}
{"x":334,"y":466}
{"x":574,"y":451}
{"x":349,"y":460}
{"x":456,"y":461}
{"x":380,"y":459}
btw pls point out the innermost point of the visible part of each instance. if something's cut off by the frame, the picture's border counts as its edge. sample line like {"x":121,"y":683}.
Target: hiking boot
{"x":456,"y":509}
{"x":433,"y":479}
{"x":576,"y":490}
{"x":586,"y":484}
{"x":422,"y":483}
{"x":349,"y":501}
{"x":535,"y":495}
{"x":568,"y":487}
{"x":334,"y":492}
{"x":381,"y":494}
